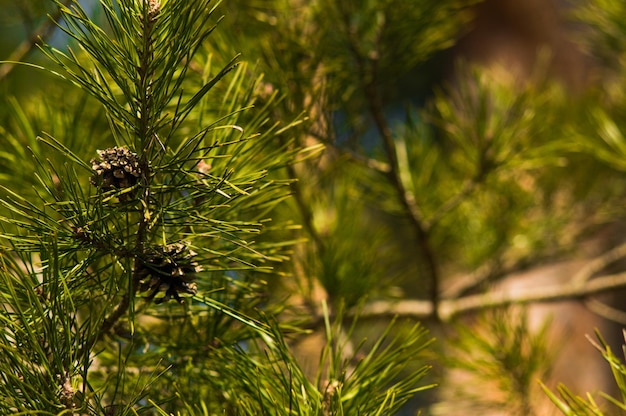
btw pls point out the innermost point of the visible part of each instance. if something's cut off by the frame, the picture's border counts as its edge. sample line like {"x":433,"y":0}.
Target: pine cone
{"x":117,"y":168}
{"x":170,"y":269}
{"x":154,"y":8}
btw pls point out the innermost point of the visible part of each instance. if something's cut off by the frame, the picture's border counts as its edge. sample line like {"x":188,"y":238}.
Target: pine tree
{"x":243,"y":208}
{"x":133,"y":269}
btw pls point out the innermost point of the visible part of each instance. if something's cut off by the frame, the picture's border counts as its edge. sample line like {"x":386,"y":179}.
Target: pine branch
{"x":606,"y":311}
{"x":466,"y":189}
{"x":600,"y":263}
{"x":368,"y":75}
{"x":305,"y":211}
{"x":450,"y":308}
{"x":109,"y":322}
{"x":362,"y":160}
{"x":147,"y":137}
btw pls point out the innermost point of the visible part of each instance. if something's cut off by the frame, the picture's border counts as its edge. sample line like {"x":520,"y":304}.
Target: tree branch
{"x":147,"y":138}
{"x":368,"y":76}
{"x":456,"y":200}
{"x":606,"y":311}
{"x":362,"y":160}
{"x":305,"y":210}
{"x":450,"y":308}
{"x":37,"y":38}
{"x":600,"y":263}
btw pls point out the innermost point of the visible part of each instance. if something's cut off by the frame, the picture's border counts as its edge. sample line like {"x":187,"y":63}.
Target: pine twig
{"x":362,"y":160}
{"x":600,"y":263}
{"x":606,"y":311}
{"x":405,"y":196}
{"x":468,"y":187}
{"x":305,"y":211}
{"x":110,"y":321}
{"x":148,"y":139}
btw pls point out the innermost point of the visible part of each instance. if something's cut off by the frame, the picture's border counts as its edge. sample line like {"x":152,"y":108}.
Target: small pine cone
{"x":154,"y":8}
{"x":117,"y":168}
{"x":170,"y":269}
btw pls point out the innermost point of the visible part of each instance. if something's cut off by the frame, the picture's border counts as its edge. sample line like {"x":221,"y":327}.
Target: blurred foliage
{"x":505,"y":356}
{"x":572,"y":404}
{"x":600,"y":133}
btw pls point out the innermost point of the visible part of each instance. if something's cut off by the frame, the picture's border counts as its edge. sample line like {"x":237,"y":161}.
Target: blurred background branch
{"x":40,"y":35}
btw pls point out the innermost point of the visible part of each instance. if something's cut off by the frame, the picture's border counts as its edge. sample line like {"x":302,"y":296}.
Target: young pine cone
{"x":117,"y":168}
{"x":170,"y":269}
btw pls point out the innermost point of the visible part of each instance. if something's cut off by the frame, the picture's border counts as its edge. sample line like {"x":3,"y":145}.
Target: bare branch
{"x":38,"y":37}
{"x":460,"y":285}
{"x":606,"y":311}
{"x":450,"y":308}
{"x":600,"y":263}
{"x":370,"y":163}
{"x":550,"y":293}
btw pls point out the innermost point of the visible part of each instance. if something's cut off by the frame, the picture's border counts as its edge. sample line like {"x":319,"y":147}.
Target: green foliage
{"x":349,"y":380}
{"x":572,"y":404}
{"x":603,"y":135}
{"x":177,"y":203}
{"x":172,"y":216}
{"x":43,"y":340}
{"x":605,"y":38}
{"x":504,"y":355}
{"x":490,"y":165}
